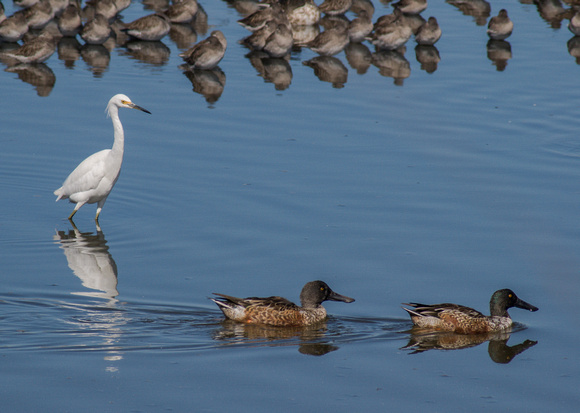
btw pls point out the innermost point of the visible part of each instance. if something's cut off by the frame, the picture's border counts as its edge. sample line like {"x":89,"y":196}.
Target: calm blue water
{"x":442,"y":186}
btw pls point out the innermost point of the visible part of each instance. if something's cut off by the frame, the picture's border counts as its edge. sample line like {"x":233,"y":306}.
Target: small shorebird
{"x":258,"y":19}
{"x":335,"y":7}
{"x":182,"y":12}
{"x":13,"y":28}
{"x":411,"y":6}
{"x":38,"y":15}
{"x":279,"y":43}
{"x":391,"y":31}
{"x":329,"y":42}
{"x":152,"y":27}
{"x":207,"y":53}
{"x":37,"y":50}
{"x":574,"y":25}
{"x":302,"y":12}
{"x":360,"y":27}
{"x":500,"y":27}
{"x":429,"y":33}
{"x":257,"y":40}
{"x":69,"y":22}
{"x":97,"y":31}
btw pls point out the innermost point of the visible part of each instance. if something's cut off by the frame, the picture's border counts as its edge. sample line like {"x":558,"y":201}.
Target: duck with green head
{"x":466,"y":320}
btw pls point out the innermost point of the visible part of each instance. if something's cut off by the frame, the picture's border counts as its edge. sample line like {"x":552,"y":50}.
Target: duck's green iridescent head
{"x":501,"y":300}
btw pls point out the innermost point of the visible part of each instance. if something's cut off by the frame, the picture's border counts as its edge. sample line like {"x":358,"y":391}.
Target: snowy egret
{"x":94,"y":178}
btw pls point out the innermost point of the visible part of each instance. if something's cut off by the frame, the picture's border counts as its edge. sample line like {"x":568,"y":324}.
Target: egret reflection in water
{"x":422,"y":340}
{"x":89,"y":258}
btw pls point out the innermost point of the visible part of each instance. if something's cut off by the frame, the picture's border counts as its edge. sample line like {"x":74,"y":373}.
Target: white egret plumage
{"x":94,"y":178}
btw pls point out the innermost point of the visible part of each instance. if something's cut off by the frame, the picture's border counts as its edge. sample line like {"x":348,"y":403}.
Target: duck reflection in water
{"x":310,"y":339}
{"x":89,"y":258}
{"x":422,"y":340}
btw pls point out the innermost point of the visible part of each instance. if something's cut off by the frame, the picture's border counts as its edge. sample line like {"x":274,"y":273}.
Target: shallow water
{"x":441,"y":186}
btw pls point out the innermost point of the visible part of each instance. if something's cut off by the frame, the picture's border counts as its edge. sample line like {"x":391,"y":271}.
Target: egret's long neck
{"x":119,"y":143}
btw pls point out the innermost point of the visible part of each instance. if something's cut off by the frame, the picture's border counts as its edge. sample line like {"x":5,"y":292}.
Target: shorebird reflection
{"x":210,"y":83}
{"x":499,"y":52}
{"x":574,"y":48}
{"x":38,"y":75}
{"x":89,"y":258}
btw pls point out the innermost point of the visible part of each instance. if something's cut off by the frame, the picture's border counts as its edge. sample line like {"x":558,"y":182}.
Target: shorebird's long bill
{"x":134,"y":106}
{"x":337,"y":297}
{"x":525,"y":306}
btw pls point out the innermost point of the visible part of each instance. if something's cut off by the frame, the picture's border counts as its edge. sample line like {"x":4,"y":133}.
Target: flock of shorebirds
{"x":277,"y":27}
